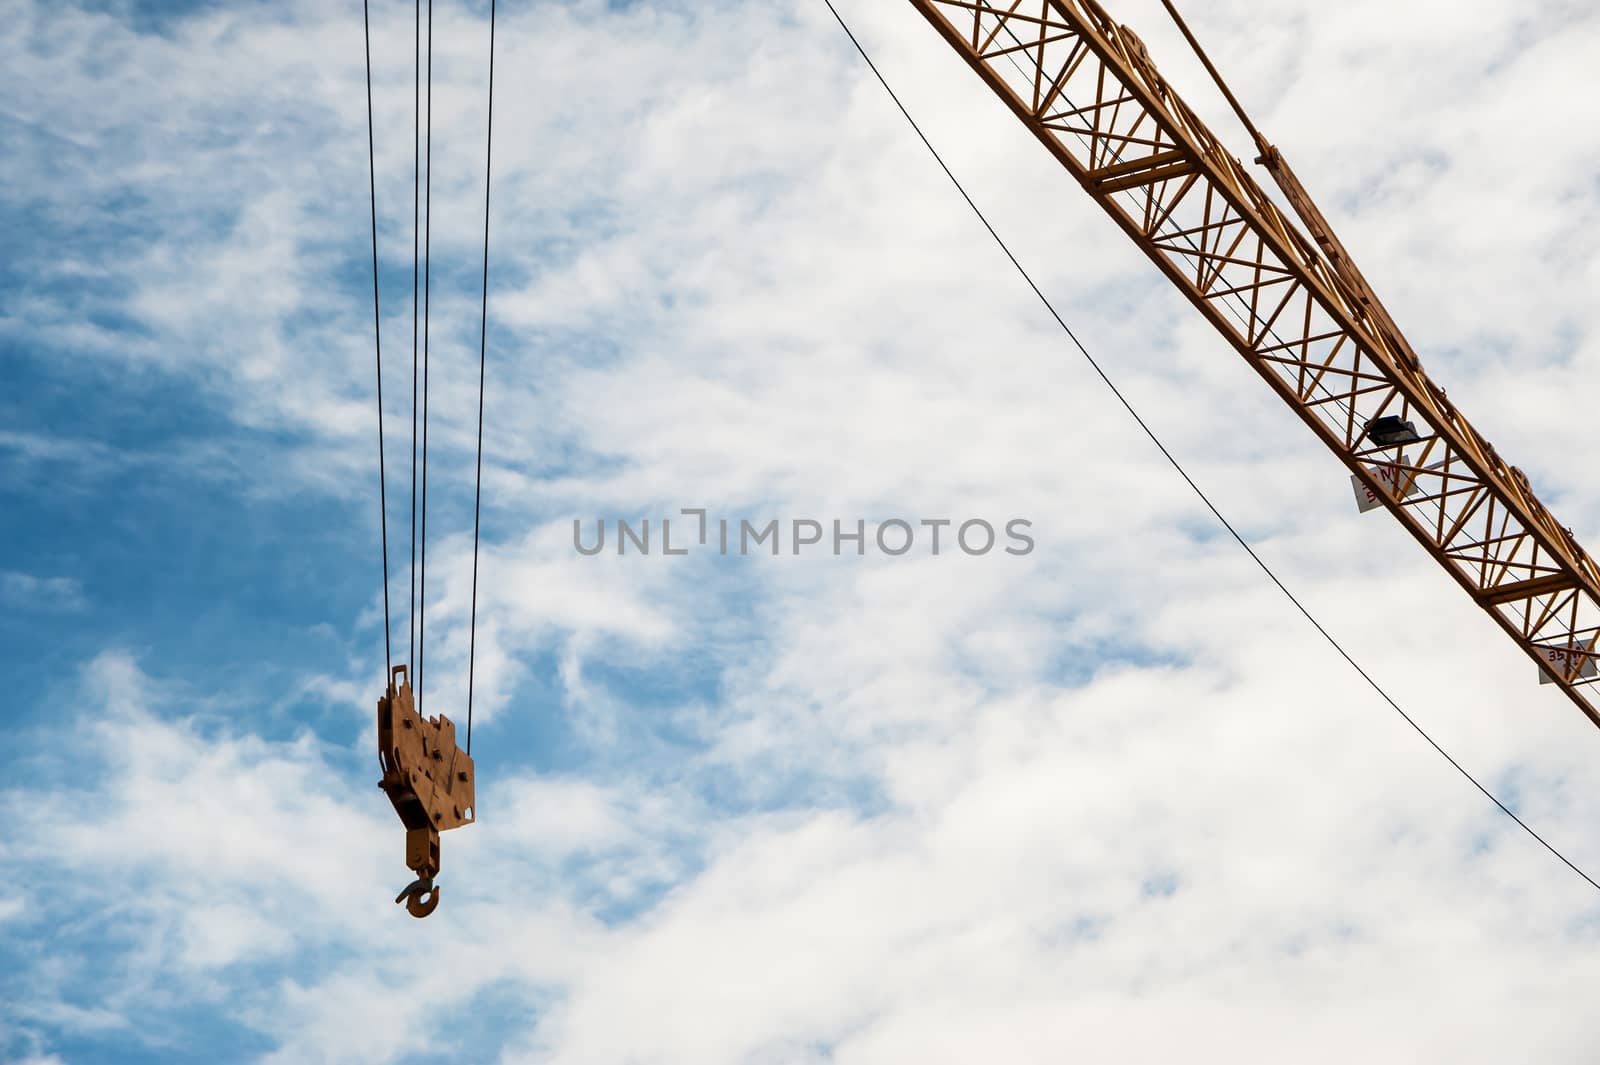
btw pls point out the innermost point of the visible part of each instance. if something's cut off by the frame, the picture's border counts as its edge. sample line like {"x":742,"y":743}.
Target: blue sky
{"x":1111,"y":799}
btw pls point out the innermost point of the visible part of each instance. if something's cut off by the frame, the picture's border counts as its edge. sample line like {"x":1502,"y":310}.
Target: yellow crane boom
{"x":1293,"y":305}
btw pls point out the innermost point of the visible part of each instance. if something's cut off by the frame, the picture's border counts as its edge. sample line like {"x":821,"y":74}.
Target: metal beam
{"x":1308,"y":325}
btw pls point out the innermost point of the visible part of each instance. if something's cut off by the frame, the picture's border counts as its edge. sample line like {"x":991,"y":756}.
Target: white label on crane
{"x":1562,"y":661}
{"x":1389,"y":477}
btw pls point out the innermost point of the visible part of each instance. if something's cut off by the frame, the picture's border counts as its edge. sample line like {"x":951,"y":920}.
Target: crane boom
{"x":1295,"y":307}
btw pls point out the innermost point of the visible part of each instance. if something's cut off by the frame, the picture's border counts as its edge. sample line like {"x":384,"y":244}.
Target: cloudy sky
{"x":1111,"y":800}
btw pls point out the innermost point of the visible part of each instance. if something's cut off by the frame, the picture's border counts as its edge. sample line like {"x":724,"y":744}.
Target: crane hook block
{"x":429,"y":780}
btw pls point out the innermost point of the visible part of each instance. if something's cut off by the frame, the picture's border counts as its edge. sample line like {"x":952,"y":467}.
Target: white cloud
{"x":25,"y":591}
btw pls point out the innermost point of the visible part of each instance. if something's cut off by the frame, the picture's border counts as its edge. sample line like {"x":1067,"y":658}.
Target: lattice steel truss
{"x":1296,"y":308}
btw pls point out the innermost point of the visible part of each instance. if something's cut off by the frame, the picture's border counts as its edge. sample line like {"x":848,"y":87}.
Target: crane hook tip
{"x":413,"y":894}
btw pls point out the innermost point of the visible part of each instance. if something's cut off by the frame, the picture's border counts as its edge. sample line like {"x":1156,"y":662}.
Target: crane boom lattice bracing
{"x":1294,"y":306}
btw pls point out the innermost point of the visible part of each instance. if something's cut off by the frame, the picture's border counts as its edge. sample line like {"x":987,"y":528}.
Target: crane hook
{"x":429,"y":781}
{"x":412,"y":897}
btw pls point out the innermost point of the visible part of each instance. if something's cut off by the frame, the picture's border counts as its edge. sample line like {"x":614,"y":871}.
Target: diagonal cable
{"x":1179,"y":467}
{"x":483,"y":355}
{"x":377,"y":341}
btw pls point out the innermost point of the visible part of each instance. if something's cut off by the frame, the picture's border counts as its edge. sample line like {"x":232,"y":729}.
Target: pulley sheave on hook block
{"x":429,"y":780}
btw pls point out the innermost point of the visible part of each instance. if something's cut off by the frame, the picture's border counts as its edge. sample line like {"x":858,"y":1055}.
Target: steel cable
{"x":1176,"y":465}
{"x":377,"y":342}
{"x":483,"y":350}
